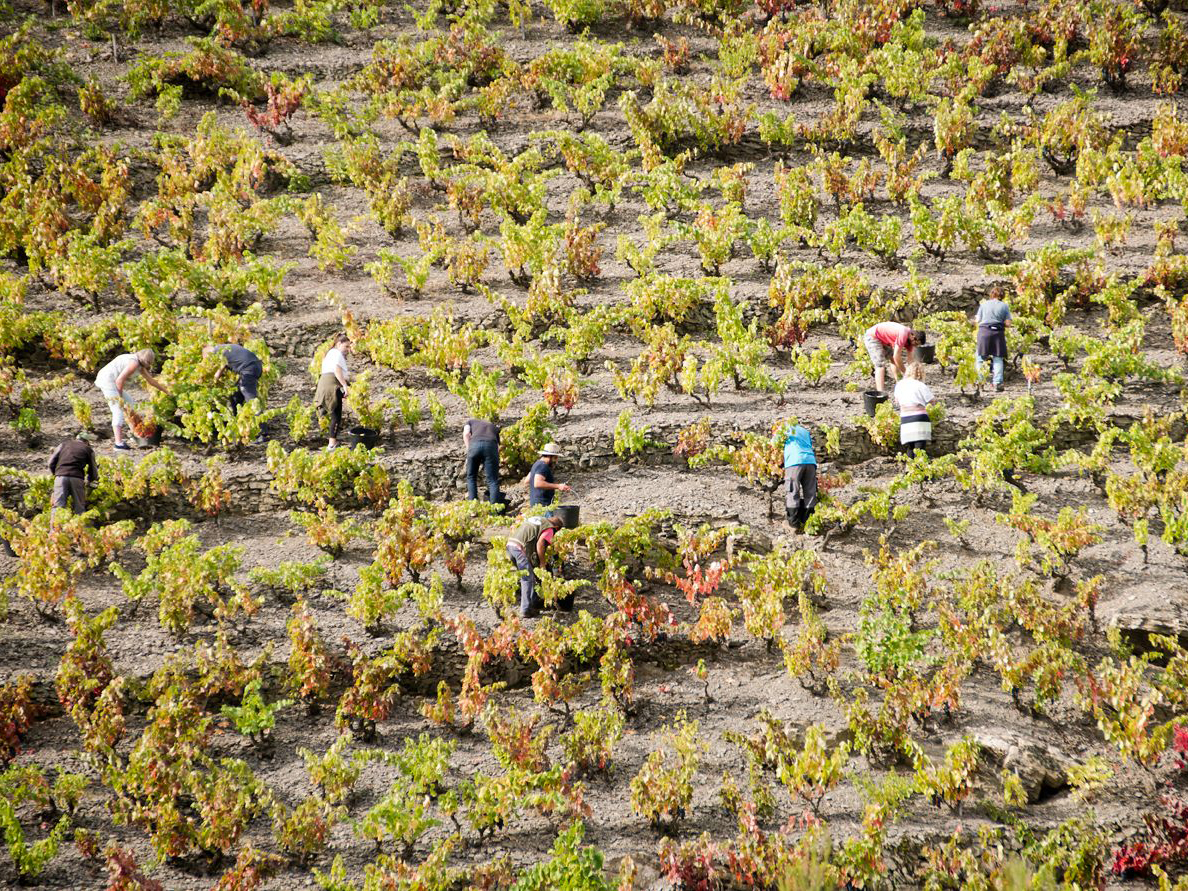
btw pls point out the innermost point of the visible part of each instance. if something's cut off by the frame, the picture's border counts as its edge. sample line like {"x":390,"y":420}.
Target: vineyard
{"x":653,"y":232}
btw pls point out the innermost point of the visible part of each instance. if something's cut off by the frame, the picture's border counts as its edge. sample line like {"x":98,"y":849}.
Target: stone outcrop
{"x":1041,"y":768}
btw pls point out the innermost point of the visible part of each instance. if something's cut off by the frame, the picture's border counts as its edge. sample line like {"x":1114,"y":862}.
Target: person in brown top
{"x":74,"y":468}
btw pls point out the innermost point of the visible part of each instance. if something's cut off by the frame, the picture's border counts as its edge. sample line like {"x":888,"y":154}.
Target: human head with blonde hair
{"x":914,"y":372}
{"x":146,"y":358}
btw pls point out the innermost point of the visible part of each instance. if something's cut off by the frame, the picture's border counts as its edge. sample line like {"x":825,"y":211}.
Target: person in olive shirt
{"x":541,"y":487}
{"x":480,"y":439}
{"x":526,"y":549}
{"x":243,"y":362}
{"x":74,"y":468}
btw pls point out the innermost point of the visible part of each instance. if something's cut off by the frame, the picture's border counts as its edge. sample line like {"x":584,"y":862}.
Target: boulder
{"x":1041,"y":768}
{"x":1145,"y":611}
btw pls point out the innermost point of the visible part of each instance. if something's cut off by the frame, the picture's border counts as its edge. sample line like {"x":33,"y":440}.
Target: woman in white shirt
{"x":114,"y":376}
{"x":912,"y":396}
{"x":332,"y":385}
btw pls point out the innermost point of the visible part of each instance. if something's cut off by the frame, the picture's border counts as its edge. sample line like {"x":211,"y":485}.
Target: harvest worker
{"x":992,"y":319}
{"x":912,"y":396}
{"x":526,"y":548}
{"x":800,"y":477}
{"x":480,"y":440}
{"x":74,"y":468}
{"x":332,"y":385}
{"x":541,"y":488}
{"x":900,"y":339}
{"x":112,"y":379}
{"x":243,"y":362}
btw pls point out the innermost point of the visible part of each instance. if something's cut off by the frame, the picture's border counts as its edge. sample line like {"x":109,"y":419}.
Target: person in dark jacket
{"x":526,"y":549}
{"x":244,"y":363}
{"x":480,"y":439}
{"x":74,"y":468}
{"x":800,"y":477}
{"x":541,"y":486}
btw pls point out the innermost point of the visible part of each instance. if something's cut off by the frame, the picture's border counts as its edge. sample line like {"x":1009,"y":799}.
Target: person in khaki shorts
{"x":74,"y":468}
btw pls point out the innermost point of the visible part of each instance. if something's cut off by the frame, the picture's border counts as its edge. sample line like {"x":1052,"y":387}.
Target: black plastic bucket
{"x":871,"y":400}
{"x":361,"y":435}
{"x":926,"y":353}
{"x":153,"y":439}
{"x":569,"y":514}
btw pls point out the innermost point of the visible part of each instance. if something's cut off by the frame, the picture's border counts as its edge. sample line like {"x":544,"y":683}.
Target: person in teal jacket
{"x":800,"y":476}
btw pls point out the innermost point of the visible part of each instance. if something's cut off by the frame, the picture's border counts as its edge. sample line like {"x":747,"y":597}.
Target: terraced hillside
{"x":653,"y":232}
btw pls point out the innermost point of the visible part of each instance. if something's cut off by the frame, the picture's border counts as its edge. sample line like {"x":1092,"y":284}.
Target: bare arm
{"x":541,"y":483}
{"x":341,"y":375}
{"x":540,"y":551}
{"x":897,"y":358}
{"x":152,"y":381}
{"x":466,"y":437}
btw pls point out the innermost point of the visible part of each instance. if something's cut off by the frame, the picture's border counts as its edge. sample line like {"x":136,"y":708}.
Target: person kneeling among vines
{"x":526,"y":549}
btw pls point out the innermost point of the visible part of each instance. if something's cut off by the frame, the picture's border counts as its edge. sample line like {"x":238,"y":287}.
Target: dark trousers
{"x":484,"y":452}
{"x":336,"y":414}
{"x":69,"y":491}
{"x":247,"y":390}
{"x":528,"y":599}
{"x":800,"y":481}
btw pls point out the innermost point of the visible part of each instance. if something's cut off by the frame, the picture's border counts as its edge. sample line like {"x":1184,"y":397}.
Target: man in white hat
{"x":541,"y":487}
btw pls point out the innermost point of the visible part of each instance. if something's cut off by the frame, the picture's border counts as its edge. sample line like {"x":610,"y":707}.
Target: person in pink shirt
{"x":890,"y":340}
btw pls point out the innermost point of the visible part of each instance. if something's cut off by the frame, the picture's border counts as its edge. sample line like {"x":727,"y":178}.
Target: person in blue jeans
{"x":480,"y":439}
{"x":992,"y":319}
{"x":800,"y":477}
{"x":526,"y":548}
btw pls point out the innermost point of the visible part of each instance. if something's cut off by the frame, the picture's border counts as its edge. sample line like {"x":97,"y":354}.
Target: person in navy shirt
{"x":541,"y":486}
{"x":244,"y":363}
{"x":800,"y":477}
